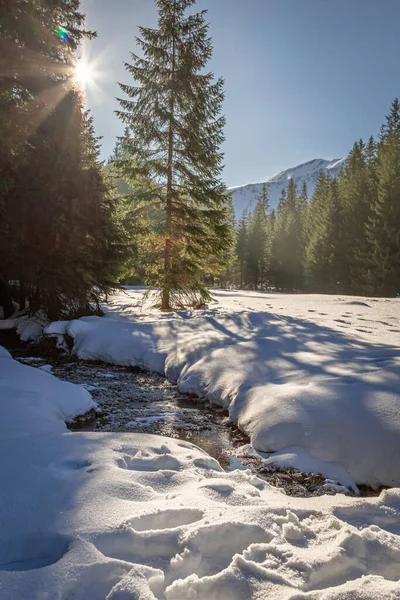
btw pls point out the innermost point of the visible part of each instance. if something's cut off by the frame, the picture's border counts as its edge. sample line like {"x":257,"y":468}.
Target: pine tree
{"x":302,"y":208}
{"x":289,"y":240}
{"x":119,"y":154}
{"x":257,"y":241}
{"x":326,"y":259}
{"x":241,"y":246}
{"x":355,"y":192}
{"x":61,"y":236}
{"x":173,"y":112}
{"x":220,"y":268}
{"x":35,"y":69}
{"x":270,"y":258}
{"x":282,"y":203}
{"x":383,"y":230}
{"x":316,"y":248}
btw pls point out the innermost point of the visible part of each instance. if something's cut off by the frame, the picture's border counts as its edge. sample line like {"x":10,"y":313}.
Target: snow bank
{"x":33,"y":401}
{"x":140,"y":517}
{"x":94,"y":516}
{"x":286,"y":380}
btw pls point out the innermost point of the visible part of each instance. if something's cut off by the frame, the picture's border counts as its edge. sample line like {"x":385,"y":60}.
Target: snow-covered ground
{"x":316,"y":376}
{"x":103,"y":516}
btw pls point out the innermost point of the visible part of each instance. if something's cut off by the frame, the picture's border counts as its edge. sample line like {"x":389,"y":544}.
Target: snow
{"x":47,"y":368}
{"x":30,"y":328}
{"x":244,"y":196}
{"x":302,"y":461}
{"x":101,"y":516}
{"x":148,"y":421}
{"x":33,"y":401}
{"x":129,"y":517}
{"x":319,"y":373}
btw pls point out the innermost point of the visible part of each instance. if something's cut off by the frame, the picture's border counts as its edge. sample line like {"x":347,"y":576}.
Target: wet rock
{"x":82,"y":421}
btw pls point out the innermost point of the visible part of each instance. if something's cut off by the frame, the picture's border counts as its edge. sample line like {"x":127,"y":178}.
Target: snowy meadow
{"x":313,"y":380}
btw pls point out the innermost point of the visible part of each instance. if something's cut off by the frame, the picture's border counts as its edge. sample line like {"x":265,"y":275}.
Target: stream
{"x":132,"y":400}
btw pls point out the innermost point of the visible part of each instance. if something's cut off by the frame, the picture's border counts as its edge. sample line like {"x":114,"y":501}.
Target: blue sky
{"x":304,"y":78}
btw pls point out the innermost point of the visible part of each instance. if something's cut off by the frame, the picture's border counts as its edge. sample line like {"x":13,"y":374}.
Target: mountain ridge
{"x":244,"y":196}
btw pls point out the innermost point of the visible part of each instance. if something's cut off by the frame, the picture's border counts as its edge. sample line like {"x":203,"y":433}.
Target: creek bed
{"x":132,"y":400}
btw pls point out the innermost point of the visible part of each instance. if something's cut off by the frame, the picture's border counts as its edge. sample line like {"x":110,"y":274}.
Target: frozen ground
{"x":125,"y":516}
{"x":317,"y":377}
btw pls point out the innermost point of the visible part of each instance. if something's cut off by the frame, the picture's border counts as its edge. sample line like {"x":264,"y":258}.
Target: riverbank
{"x":134,"y":401}
{"x":106,"y":516}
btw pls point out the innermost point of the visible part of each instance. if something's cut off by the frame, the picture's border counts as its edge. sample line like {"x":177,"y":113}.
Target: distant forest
{"x":345,"y":240}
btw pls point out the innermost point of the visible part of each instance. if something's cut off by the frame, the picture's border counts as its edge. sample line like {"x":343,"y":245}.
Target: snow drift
{"x":287,"y":382}
{"x":94,"y":516}
{"x":33,"y":401}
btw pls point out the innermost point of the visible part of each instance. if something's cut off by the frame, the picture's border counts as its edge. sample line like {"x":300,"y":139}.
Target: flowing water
{"x":131,"y":400}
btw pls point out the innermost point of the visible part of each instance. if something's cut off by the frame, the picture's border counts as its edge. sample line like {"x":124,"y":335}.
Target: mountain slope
{"x":244,"y":196}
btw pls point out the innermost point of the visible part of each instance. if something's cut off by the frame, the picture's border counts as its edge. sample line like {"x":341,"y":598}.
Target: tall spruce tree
{"x":326,"y":259}
{"x":174,"y":114}
{"x":302,"y":208}
{"x":257,"y":241}
{"x":383,"y":230}
{"x":317,"y":254}
{"x":35,"y":69}
{"x":355,"y":193}
{"x":242,"y":234}
{"x":289,"y":240}
{"x":270,"y":259}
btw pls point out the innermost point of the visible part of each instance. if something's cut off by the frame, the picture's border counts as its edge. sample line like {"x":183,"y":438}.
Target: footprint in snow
{"x":166,"y":519}
{"x":155,"y":463}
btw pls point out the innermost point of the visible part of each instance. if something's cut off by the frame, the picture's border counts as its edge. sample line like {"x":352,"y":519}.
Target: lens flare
{"x":63,"y":34}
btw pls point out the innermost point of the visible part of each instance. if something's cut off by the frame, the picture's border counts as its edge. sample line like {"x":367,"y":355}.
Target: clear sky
{"x":304,"y":79}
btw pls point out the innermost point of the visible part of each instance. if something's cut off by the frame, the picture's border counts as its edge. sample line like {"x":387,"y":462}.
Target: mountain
{"x":244,"y":195}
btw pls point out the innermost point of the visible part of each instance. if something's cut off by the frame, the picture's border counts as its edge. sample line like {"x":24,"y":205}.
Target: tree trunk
{"x":22,"y":295}
{"x":165,"y":301}
{"x":5,"y":299}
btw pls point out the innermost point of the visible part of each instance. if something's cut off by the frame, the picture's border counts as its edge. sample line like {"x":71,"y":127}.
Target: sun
{"x":83,"y":73}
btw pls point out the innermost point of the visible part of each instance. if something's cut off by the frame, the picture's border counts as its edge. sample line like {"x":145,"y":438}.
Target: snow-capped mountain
{"x":244,"y":195}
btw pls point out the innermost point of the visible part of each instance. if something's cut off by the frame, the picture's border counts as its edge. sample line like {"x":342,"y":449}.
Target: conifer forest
{"x":157,"y":212}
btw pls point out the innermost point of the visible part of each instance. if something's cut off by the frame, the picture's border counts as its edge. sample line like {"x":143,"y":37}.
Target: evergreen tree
{"x":383,"y":230}
{"x":35,"y":69}
{"x":302,"y":208}
{"x":289,"y":244}
{"x":355,"y":194}
{"x":120,"y":153}
{"x":270,"y":258}
{"x":316,"y":247}
{"x":281,"y":204}
{"x":257,"y":241}
{"x":326,"y":260}
{"x":60,"y":232}
{"x":173,"y":112}
{"x":220,"y":267}
{"x":241,"y":246}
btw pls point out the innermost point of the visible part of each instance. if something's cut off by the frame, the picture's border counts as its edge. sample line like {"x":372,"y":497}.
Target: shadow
{"x":291,"y":382}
